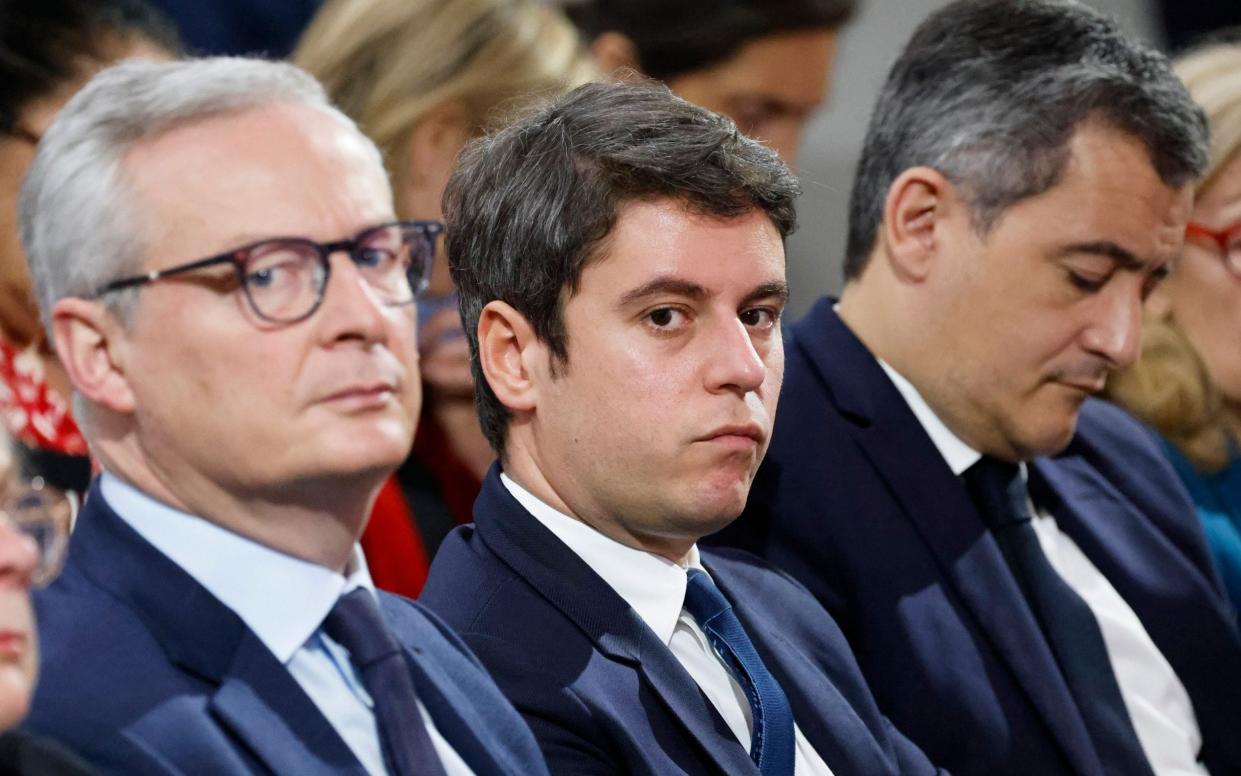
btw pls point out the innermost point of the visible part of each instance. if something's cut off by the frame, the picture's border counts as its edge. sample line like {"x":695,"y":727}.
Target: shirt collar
{"x":959,"y":455}
{"x":282,"y":599}
{"x":652,"y":585}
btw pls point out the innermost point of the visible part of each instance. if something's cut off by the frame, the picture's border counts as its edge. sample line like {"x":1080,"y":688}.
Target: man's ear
{"x":431,"y":154}
{"x":511,"y":356}
{"x":920,"y":202}
{"x":90,"y":345}
{"x":616,"y":56}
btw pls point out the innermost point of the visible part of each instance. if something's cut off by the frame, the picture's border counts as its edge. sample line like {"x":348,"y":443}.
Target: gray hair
{"x":990,"y":93}
{"x":79,"y":223}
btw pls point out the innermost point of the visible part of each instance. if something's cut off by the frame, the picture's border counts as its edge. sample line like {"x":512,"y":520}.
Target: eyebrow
{"x":685,"y":288}
{"x":1122,"y":256}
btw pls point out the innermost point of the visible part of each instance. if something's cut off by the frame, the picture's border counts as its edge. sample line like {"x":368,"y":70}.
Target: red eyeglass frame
{"x":1224,"y":239}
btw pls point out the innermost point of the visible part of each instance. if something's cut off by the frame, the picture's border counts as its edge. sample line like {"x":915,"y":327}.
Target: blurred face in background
{"x":19,"y":313}
{"x":1203,"y":294}
{"x":19,"y":654}
{"x":771,"y":87}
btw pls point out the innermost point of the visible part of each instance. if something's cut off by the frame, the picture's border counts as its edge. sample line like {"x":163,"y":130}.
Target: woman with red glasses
{"x":1187,"y":381}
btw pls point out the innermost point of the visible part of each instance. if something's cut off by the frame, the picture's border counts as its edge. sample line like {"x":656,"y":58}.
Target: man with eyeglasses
{"x":215,"y":614}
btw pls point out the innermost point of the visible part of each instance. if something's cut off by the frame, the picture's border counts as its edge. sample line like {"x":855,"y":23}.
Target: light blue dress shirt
{"x":283,"y":600}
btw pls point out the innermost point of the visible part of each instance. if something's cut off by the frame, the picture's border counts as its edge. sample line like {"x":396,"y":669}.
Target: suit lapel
{"x":447,"y":704}
{"x":1170,"y":596}
{"x":934,"y":500}
{"x":256,"y":699}
{"x":616,"y":631}
{"x":260,"y":703}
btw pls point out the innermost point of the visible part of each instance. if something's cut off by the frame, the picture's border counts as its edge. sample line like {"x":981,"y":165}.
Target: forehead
{"x":1109,"y":192}
{"x":1219,"y":203}
{"x":275,"y":170}
{"x":790,"y":68}
{"x":664,"y":239}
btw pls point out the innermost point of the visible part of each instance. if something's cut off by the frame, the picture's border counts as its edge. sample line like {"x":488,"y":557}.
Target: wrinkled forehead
{"x":256,"y":172}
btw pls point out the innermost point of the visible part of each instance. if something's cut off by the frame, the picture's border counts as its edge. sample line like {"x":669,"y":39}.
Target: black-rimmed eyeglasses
{"x":284,"y":278}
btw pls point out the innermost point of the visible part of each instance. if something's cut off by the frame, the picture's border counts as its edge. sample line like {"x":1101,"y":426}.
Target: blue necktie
{"x":1072,"y":632}
{"x":771,"y":744}
{"x":355,"y":623}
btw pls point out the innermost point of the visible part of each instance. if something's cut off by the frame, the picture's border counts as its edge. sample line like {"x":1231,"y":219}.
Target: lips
{"x":362,"y":391}
{"x":737,"y":432}
{"x":1090,"y":387}
{"x":13,"y":645}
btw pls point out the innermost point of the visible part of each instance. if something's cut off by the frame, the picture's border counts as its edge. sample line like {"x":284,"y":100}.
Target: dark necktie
{"x":771,"y":743}
{"x":355,"y":623}
{"x":999,"y":491}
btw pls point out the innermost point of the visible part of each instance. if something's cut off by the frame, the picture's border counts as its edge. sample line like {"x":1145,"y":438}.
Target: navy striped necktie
{"x":356,"y":624}
{"x":771,"y":743}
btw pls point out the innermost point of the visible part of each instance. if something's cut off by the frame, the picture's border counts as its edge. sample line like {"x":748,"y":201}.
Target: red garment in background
{"x":394,"y":552}
{"x":395,"y":549}
{"x":33,"y":413}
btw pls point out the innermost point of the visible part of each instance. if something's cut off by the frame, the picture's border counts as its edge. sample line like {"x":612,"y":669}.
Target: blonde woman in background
{"x":1187,"y":382}
{"x":423,"y":77}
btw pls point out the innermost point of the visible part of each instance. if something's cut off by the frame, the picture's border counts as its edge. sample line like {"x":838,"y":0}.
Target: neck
{"x":315,"y":520}
{"x":869,"y":313}
{"x":526,"y":472}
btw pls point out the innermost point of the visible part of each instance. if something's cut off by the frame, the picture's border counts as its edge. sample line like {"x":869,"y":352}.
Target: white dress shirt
{"x":1157,"y":702}
{"x":654,"y":587}
{"x":283,"y":600}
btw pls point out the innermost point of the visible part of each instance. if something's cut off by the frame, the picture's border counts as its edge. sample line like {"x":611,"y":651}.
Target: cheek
{"x":1212,"y":322}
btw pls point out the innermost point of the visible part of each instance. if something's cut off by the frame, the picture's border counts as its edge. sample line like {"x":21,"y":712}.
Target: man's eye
{"x":1083,"y":283}
{"x":372,"y":257}
{"x":665,"y":317}
{"x":760,"y":317}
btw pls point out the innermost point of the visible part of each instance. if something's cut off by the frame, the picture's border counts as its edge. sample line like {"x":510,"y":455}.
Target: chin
{"x":15,"y":691}
{"x":1047,"y":440}
{"x":374,"y":444}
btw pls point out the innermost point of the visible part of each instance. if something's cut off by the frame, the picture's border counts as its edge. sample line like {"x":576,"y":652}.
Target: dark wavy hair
{"x":531,"y":206}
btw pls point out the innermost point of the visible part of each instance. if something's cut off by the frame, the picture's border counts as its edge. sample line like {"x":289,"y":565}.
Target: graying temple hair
{"x":80,"y":225}
{"x":989,"y":93}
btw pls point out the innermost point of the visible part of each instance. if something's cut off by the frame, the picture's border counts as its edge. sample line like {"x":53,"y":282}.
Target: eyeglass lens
{"x":285,"y":279}
{"x":45,"y":515}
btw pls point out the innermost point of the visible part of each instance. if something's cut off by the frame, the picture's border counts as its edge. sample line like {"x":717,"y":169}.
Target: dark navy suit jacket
{"x":856,"y":502}
{"x":145,"y":672}
{"x":604,"y":695}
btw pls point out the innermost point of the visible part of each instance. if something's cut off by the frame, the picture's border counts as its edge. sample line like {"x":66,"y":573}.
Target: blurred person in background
{"x":34,"y":531}
{"x":48,"y":50}
{"x":421,"y":78}
{"x":764,"y":63}
{"x":1187,"y":381}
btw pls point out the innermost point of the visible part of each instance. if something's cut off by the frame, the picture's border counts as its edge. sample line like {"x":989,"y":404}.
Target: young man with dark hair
{"x":620,"y":261}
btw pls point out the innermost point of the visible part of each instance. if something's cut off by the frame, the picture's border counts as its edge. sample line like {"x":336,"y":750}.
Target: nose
{"x":350,"y":309}
{"x":19,"y":556}
{"x":1116,"y":332}
{"x":733,"y":363}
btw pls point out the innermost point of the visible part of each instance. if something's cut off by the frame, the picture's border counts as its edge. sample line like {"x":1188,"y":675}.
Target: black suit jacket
{"x":604,"y":695}
{"x":146,"y":672}
{"x":856,"y":502}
